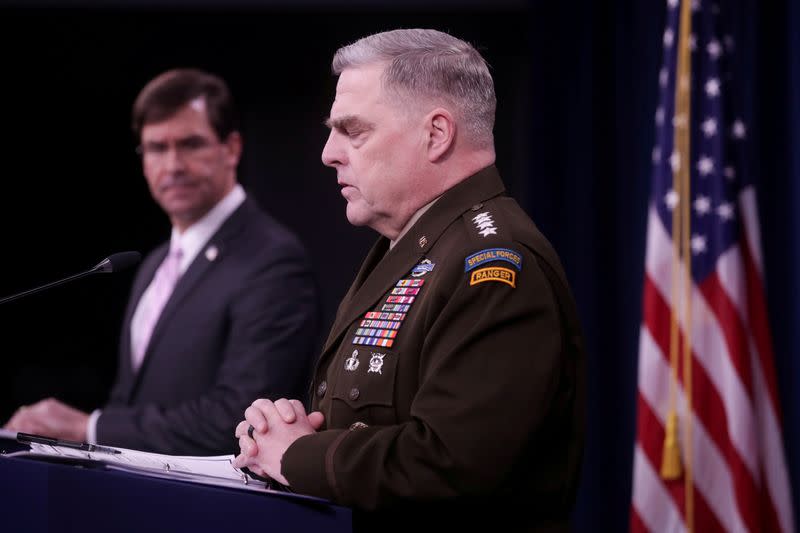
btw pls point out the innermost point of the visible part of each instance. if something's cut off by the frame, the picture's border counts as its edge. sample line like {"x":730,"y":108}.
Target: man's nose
{"x":174,"y":158}
{"x":332,"y":153}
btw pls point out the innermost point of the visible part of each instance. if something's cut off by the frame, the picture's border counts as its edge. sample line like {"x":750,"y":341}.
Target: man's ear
{"x":234,"y":147}
{"x":441,"y":130}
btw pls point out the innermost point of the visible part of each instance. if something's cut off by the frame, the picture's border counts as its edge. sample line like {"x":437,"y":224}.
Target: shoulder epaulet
{"x":485,"y":224}
{"x":492,"y":255}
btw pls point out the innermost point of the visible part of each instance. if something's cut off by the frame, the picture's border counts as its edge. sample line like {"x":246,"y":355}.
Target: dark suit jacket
{"x":474,"y":413}
{"x":238,"y":326}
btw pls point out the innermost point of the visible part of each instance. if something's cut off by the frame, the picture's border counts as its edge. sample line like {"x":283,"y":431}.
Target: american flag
{"x":730,"y":439}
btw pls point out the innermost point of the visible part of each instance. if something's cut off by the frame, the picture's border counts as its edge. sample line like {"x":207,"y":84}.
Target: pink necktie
{"x":153,"y":301}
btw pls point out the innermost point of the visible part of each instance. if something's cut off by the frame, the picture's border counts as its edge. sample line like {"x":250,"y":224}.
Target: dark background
{"x":577,"y":90}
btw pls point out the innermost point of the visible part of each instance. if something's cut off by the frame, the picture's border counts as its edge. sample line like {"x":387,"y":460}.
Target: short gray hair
{"x":432,"y":64}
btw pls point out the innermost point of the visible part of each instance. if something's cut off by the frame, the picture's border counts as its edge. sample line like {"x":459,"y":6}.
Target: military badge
{"x":424,"y":266}
{"x":485,"y":224}
{"x":352,"y":362}
{"x":380,"y":327}
{"x":376,"y":362}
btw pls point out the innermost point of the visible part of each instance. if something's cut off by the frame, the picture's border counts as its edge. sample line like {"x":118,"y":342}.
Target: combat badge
{"x":424,"y":266}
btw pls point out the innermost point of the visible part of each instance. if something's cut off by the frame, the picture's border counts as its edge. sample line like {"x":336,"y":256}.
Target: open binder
{"x":209,"y":470}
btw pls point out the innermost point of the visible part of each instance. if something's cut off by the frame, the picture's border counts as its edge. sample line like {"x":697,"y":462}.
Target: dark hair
{"x":165,"y":94}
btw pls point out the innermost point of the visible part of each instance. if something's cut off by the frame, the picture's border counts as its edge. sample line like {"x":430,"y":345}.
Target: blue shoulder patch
{"x":493,"y":254}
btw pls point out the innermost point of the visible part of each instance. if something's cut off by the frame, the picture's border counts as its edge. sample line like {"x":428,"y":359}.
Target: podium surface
{"x":38,"y":496}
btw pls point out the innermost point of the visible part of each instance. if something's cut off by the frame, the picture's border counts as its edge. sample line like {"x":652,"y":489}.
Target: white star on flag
{"x":669,"y":37}
{"x":675,"y":161}
{"x":656,"y":154}
{"x":705,"y":165}
{"x":698,"y":244}
{"x":671,"y":199}
{"x":659,"y":116}
{"x":702,"y":205}
{"x":663,"y":77}
{"x":712,"y":87}
{"x":738,"y":129}
{"x":714,"y":49}
{"x":709,"y":127}
{"x":692,"y":42}
{"x":673,"y":3}
{"x":730,"y":173}
{"x":725,"y":211}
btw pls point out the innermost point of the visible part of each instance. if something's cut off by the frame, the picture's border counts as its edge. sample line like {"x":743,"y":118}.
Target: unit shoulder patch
{"x":499,"y":274}
{"x":489,"y":255}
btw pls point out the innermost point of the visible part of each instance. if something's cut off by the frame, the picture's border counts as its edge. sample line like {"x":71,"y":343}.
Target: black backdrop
{"x":73,"y":188}
{"x":577,"y":88}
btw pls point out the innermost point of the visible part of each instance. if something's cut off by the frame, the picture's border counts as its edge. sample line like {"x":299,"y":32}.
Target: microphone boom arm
{"x":49,"y":285}
{"x":112,"y":263}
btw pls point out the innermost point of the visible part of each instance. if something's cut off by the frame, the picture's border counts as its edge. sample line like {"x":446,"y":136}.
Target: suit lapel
{"x":196,"y":271}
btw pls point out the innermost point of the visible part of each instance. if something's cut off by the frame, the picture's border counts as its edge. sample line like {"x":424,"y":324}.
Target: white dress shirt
{"x":191,"y":242}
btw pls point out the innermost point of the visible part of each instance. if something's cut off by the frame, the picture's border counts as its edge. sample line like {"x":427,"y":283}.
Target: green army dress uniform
{"x":453,"y":378}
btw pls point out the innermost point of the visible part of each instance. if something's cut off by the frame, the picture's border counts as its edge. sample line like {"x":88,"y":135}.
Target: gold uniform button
{"x":354,"y":393}
{"x":358,"y":425}
{"x":323,"y":386}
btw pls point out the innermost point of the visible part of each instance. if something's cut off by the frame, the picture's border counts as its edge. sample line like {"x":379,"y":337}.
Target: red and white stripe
{"x":739,"y":470}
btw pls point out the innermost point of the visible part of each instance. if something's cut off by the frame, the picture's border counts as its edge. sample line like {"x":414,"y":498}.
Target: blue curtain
{"x":594,"y":90}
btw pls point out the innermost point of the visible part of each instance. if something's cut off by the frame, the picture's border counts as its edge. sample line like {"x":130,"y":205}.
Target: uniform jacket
{"x":462,"y":396}
{"x":240,"y":325}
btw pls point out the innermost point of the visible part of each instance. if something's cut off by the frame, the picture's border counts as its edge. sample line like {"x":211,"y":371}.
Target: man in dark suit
{"x":450,"y":392}
{"x":222,"y":314}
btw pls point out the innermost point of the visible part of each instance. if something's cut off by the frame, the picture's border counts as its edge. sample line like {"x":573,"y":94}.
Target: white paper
{"x":209,"y":470}
{"x":196,"y":468}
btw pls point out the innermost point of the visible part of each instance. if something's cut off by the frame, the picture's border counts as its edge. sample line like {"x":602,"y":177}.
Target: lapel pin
{"x":212,"y":252}
{"x":423,"y":241}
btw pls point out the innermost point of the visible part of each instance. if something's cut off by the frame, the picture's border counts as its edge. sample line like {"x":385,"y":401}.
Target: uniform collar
{"x":465,"y":195}
{"x":382,"y":269}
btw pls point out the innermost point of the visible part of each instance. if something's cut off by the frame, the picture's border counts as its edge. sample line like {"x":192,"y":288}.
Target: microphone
{"x":112,"y":263}
{"x":118,"y":262}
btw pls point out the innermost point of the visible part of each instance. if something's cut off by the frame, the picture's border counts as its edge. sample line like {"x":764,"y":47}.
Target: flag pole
{"x":671,"y":467}
{"x":682,"y":125}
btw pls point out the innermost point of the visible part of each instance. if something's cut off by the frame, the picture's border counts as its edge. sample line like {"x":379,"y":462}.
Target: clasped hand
{"x":277,"y":425}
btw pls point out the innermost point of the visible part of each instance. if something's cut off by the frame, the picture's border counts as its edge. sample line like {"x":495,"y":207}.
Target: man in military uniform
{"x":453,"y":378}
